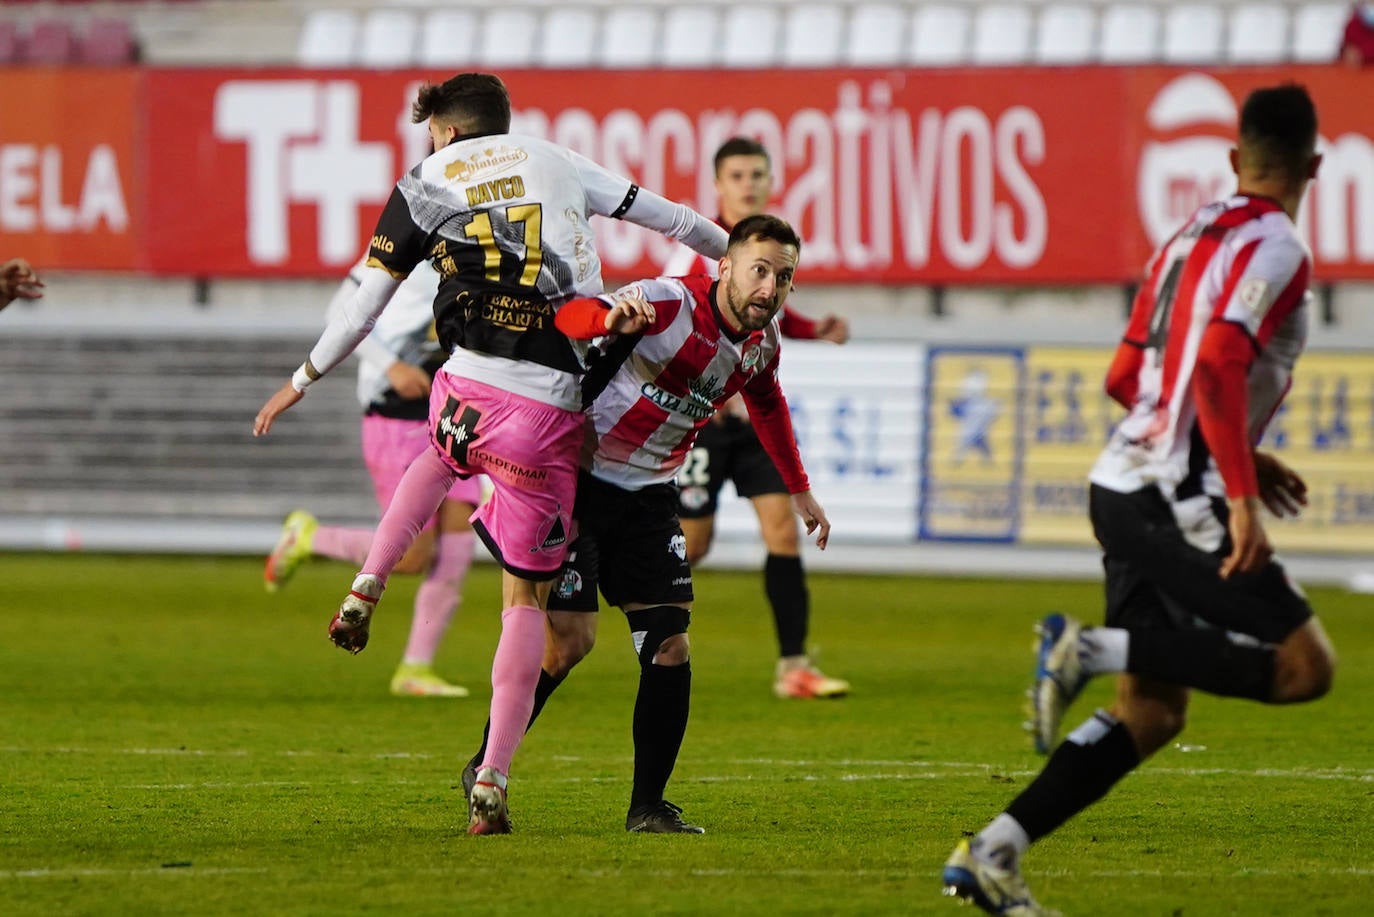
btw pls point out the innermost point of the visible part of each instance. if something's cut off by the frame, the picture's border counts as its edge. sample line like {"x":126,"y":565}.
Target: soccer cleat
{"x":797,"y":677}
{"x":349,"y":628}
{"x":487,"y":812}
{"x":414,"y":680}
{"x":660,"y":817}
{"x":293,"y":548}
{"x":995,"y":890}
{"x":1059,"y":678}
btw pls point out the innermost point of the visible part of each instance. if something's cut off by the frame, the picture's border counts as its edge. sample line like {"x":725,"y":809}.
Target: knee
{"x":675,"y":650}
{"x":1304,"y":673}
{"x":660,"y":634}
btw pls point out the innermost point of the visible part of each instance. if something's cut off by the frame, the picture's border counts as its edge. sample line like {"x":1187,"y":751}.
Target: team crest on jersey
{"x":492,"y":160}
{"x":1254,"y":295}
{"x":678,"y":545}
{"x":749,"y":362}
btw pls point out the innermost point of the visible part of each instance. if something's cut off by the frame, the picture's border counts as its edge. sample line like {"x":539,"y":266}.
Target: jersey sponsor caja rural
{"x":684,"y":367}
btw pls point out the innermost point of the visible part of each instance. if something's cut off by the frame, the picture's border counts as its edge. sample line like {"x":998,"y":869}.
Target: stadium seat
{"x":1317,"y":32}
{"x":812,"y":36}
{"x":877,"y":35}
{"x":107,"y":42}
{"x":1258,"y":34}
{"x":388,"y":39}
{"x":1192,"y":34}
{"x":1001,"y":35}
{"x":506,"y":38}
{"x":691,"y":36}
{"x":629,"y":37}
{"x":939,"y":36}
{"x":329,"y":38}
{"x":1130,"y":34}
{"x":50,"y":42}
{"x":447,"y":39}
{"x":750,"y":36}
{"x":569,"y":37}
{"x":1065,"y":35}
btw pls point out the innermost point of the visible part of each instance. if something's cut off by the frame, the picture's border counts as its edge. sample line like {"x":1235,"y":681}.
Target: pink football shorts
{"x":390,"y":444}
{"x":529,"y":450}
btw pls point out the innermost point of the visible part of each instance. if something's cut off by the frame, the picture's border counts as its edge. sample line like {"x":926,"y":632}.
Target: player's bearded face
{"x":757,"y":277}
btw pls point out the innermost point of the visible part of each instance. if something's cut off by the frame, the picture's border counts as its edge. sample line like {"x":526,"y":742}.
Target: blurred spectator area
{"x":650,"y":33}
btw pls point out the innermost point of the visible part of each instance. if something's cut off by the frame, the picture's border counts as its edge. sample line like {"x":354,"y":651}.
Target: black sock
{"x":546,"y":686}
{"x":1079,"y":773}
{"x":785,"y":585}
{"x":660,"y":722}
{"x":1209,"y":660}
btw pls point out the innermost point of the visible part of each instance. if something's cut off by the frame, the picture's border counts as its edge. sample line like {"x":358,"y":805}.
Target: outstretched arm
{"x":341,"y":336}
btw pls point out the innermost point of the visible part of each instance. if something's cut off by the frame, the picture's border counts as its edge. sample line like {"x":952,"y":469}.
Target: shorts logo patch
{"x":678,"y":545}
{"x":556,"y":535}
{"x":694,"y":498}
{"x":455,"y":434}
{"x":570,"y":584}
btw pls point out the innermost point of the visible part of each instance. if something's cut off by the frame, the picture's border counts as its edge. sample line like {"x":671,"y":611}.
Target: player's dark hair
{"x":475,"y":103}
{"x":740,"y":146}
{"x":764,"y":226}
{"x":1278,"y":127}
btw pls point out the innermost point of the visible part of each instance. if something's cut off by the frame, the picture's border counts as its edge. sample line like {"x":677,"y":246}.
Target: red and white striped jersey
{"x":685,"y":366}
{"x":1241,"y":261}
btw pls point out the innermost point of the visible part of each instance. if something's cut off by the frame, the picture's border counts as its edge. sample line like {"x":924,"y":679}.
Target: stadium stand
{"x":633,"y":33}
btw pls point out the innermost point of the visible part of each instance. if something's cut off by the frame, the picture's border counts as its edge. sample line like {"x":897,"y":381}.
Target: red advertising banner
{"x":1182,"y":123}
{"x":995,"y":175}
{"x":70,"y":188}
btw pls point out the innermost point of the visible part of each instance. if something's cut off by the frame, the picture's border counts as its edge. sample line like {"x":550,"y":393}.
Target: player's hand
{"x":409,"y":380}
{"x":1281,"y":489}
{"x":1250,"y":547}
{"x":629,"y":315}
{"x":812,"y":516}
{"x":832,"y":328}
{"x":18,"y":281}
{"x":283,"y":399}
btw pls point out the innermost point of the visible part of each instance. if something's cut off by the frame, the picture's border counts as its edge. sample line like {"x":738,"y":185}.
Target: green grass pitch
{"x":175,"y":741}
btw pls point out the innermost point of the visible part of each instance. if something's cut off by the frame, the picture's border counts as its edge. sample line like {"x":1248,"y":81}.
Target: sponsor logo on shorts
{"x":512,"y":470}
{"x":678,"y":545}
{"x":683,"y":581}
{"x":556,"y":536}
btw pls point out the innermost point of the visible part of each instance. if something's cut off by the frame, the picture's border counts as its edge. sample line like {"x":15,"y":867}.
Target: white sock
{"x":1001,"y":843}
{"x":1103,"y":649}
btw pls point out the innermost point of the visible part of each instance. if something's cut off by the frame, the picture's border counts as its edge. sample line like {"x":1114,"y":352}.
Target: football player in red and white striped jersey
{"x":1195,"y":598}
{"x":703,"y":341}
{"x":728,"y":449}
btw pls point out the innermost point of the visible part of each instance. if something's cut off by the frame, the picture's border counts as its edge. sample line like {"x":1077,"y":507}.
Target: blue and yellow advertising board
{"x":1012,"y":432}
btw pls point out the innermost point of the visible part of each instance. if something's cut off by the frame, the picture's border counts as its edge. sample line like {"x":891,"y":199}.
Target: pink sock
{"x":514,"y":676}
{"x":341,"y":543}
{"x":439,"y":595}
{"x":417,"y":497}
